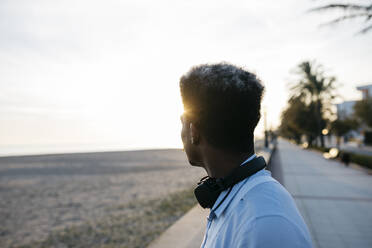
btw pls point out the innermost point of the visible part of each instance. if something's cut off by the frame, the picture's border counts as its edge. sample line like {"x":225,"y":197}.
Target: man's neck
{"x":219,"y":164}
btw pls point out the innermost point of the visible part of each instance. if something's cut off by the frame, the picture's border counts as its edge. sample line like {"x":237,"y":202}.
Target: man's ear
{"x":194,"y":133}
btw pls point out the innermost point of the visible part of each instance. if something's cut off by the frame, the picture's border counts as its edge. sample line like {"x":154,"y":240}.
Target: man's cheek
{"x":183,"y":134}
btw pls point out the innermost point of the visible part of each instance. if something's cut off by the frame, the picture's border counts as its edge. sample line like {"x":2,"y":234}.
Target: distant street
{"x":336,"y":201}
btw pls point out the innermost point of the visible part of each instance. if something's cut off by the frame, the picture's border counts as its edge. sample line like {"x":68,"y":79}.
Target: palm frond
{"x":344,"y":18}
{"x":365,"y":30}
{"x":352,"y":11}
{"x":342,"y":6}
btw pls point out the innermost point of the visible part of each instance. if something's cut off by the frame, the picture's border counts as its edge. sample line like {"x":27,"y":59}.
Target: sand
{"x":46,"y":193}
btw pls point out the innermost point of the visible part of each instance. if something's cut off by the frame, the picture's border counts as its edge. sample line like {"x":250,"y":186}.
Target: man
{"x":222,"y":108}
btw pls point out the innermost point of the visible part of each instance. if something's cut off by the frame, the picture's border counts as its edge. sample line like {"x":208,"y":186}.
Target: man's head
{"x":222,"y":108}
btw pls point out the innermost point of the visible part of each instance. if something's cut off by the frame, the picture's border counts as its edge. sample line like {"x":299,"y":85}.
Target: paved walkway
{"x":187,"y":232}
{"x":336,"y":201}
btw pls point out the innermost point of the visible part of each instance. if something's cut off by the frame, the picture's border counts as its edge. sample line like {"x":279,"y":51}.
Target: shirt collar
{"x":234,"y":190}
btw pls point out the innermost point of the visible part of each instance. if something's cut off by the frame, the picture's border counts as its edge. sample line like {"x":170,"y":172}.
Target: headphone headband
{"x":244,"y":171}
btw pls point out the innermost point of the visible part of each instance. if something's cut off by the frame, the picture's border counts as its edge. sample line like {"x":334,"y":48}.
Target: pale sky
{"x":79,"y":74}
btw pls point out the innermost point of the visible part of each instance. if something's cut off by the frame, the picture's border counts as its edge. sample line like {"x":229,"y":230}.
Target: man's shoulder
{"x":268,"y":198}
{"x":268,"y":206}
{"x":273,"y":231}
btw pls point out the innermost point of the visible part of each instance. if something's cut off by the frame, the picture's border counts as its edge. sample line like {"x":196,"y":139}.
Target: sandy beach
{"x":46,"y":193}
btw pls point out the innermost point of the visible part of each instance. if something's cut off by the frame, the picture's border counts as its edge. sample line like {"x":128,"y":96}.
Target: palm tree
{"x":299,"y":118}
{"x":351,"y":11}
{"x":315,"y":89}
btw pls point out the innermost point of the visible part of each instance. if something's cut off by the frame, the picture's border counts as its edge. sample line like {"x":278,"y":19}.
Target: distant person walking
{"x":345,"y":158}
{"x":248,"y":207}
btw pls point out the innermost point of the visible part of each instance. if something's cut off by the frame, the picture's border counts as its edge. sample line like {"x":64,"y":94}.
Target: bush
{"x":360,"y":159}
{"x":368,"y":138}
{"x":363,"y":160}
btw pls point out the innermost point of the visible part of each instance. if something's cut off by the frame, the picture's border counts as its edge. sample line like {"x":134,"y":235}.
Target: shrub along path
{"x":364,"y":160}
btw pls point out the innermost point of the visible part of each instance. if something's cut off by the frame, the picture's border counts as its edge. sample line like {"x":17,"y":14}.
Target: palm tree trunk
{"x":319,"y":121}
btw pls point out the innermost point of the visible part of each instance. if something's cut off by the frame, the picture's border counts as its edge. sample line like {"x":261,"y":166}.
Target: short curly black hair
{"x":224,"y":102}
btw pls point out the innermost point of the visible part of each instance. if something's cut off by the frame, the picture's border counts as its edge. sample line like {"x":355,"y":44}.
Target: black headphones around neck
{"x":209,"y":189}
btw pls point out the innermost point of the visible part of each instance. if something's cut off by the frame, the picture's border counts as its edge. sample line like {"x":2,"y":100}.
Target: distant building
{"x":346,"y":109}
{"x":366,"y":91}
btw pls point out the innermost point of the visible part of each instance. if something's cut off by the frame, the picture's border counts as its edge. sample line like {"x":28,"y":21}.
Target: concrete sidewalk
{"x":188,"y":231}
{"x":335,"y":201}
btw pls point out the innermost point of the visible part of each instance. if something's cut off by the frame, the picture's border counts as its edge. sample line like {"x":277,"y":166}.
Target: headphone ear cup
{"x":206,"y":195}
